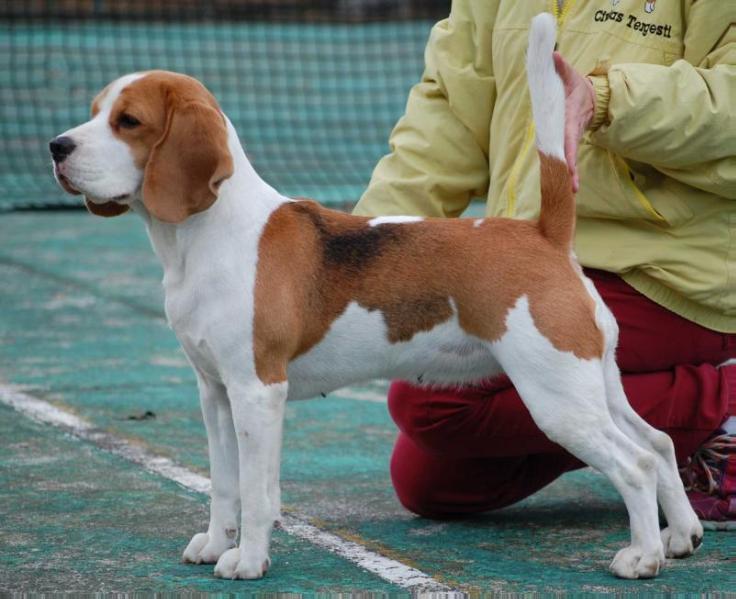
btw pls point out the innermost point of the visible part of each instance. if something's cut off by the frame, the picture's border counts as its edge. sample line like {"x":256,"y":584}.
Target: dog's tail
{"x":557,"y":213}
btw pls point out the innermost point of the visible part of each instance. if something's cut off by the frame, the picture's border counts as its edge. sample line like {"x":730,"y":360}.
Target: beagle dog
{"x":275,"y":299}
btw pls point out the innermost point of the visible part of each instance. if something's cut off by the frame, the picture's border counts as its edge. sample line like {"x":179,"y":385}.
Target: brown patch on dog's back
{"x":344,"y":247}
{"x":313,"y":262}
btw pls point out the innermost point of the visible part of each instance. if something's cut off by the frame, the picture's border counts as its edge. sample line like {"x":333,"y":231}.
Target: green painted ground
{"x":77,"y":519}
{"x":81,"y":326}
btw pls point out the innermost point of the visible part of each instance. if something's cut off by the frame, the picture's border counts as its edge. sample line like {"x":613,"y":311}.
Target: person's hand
{"x":579,"y":110}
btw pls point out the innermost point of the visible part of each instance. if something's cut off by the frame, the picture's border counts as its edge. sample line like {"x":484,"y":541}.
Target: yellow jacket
{"x":657,"y":200}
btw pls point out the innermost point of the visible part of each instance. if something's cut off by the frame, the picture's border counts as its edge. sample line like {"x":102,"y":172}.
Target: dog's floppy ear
{"x":188,"y":163}
{"x":107,"y":209}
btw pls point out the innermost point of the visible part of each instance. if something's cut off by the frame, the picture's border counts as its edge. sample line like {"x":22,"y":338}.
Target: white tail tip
{"x":542,"y":33}
{"x":545,"y":86}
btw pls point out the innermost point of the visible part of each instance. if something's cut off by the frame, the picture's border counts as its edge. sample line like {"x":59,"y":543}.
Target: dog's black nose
{"x":61,"y":147}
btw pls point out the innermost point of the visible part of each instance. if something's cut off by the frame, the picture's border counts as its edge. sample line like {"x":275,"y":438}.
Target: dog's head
{"x":159,"y":137}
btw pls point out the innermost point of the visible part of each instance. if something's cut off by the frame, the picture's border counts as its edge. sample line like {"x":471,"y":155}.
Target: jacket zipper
{"x":638,"y":193}
{"x":561,"y":15}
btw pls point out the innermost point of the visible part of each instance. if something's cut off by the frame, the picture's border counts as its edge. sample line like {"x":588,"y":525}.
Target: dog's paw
{"x":682,"y":542}
{"x":632,"y":562}
{"x":205,"y":550}
{"x":246,"y":564}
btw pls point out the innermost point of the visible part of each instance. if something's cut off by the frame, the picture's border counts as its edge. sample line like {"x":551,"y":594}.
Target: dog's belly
{"x":356,"y":348}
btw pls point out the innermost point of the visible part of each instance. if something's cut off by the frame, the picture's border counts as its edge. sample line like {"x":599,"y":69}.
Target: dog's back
{"x":393,"y":289}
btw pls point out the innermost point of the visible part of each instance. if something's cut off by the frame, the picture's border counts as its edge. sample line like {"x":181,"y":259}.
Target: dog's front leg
{"x":222,"y":532}
{"x":258,"y":414}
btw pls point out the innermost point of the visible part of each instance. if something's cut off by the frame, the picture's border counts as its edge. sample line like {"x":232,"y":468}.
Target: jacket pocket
{"x":628,"y":182}
{"x":610,"y":188}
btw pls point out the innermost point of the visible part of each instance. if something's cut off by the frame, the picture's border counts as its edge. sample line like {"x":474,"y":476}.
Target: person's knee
{"x":416,"y":498}
{"x":412,"y":483}
{"x":434,"y":485}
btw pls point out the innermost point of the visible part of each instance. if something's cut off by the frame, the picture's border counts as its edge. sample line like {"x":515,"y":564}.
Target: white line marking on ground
{"x":388,"y":569}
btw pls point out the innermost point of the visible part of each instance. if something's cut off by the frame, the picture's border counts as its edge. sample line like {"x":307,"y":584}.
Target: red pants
{"x":477,"y":449}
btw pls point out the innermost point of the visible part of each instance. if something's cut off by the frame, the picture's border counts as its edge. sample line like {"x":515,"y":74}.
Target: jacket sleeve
{"x":679,"y":118}
{"x":438,"y":156}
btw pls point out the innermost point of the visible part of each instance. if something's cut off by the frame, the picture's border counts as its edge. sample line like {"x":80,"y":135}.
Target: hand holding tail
{"x":579,"y":110}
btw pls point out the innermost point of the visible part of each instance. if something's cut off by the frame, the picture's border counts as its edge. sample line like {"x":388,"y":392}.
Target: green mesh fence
{"x":313,"y":88}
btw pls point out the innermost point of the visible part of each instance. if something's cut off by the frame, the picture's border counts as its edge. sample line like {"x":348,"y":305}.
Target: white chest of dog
{"x":274,"y":298}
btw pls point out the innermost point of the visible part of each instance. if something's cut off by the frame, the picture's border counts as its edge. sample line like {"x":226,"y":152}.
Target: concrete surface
{"x":81,"y":326}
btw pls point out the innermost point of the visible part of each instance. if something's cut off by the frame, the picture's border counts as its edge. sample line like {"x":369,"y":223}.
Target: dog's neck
{"x":244,"y":203}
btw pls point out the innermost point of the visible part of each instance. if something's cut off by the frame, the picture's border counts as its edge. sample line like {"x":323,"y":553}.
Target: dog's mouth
{"x":69,"y":187}
{"x":66,"y":184}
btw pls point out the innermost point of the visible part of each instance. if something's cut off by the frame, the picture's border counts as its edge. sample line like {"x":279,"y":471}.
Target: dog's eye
{"x":128,"y":122}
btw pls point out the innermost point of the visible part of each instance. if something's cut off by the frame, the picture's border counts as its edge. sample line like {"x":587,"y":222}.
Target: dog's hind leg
{"x":566,"y":396}
{"x":684,"y":533}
